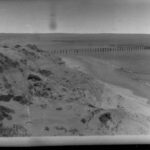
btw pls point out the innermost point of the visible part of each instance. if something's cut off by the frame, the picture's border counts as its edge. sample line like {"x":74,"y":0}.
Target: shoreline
{"x":126,"y":92}
{"x":107,"y":74}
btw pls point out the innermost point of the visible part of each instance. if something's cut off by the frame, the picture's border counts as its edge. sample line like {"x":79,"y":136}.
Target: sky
{"x":75,"y":16}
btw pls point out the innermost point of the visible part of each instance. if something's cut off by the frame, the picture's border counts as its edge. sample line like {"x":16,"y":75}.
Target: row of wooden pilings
{"x":84,"y":51}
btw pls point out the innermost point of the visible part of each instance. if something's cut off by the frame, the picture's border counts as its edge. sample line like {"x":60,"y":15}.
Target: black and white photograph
{"x":74,"y":72}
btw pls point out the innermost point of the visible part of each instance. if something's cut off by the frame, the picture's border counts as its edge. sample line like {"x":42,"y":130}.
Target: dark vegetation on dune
{"x":56,"y":88}
{"x":7,"y":64}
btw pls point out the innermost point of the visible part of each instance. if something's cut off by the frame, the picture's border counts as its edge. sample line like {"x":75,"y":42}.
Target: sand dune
{"x":42,"y":94}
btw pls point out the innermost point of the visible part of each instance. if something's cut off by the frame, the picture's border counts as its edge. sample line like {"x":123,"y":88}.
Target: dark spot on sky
{"x":53,"y":22}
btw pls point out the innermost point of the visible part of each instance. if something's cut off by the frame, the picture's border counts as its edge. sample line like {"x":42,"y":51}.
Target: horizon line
{"x":76,"y":33}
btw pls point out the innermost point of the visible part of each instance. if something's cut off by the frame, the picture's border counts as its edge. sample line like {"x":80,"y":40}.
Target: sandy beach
{"x":110,"y":73}
{"x":128,"y":99}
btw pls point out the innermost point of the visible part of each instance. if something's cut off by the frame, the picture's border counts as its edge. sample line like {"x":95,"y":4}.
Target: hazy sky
{"x":75,"y":16}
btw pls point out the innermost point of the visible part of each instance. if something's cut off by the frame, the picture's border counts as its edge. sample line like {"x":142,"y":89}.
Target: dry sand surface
{"x":113,"y":96}
{"x":45,"y":95}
